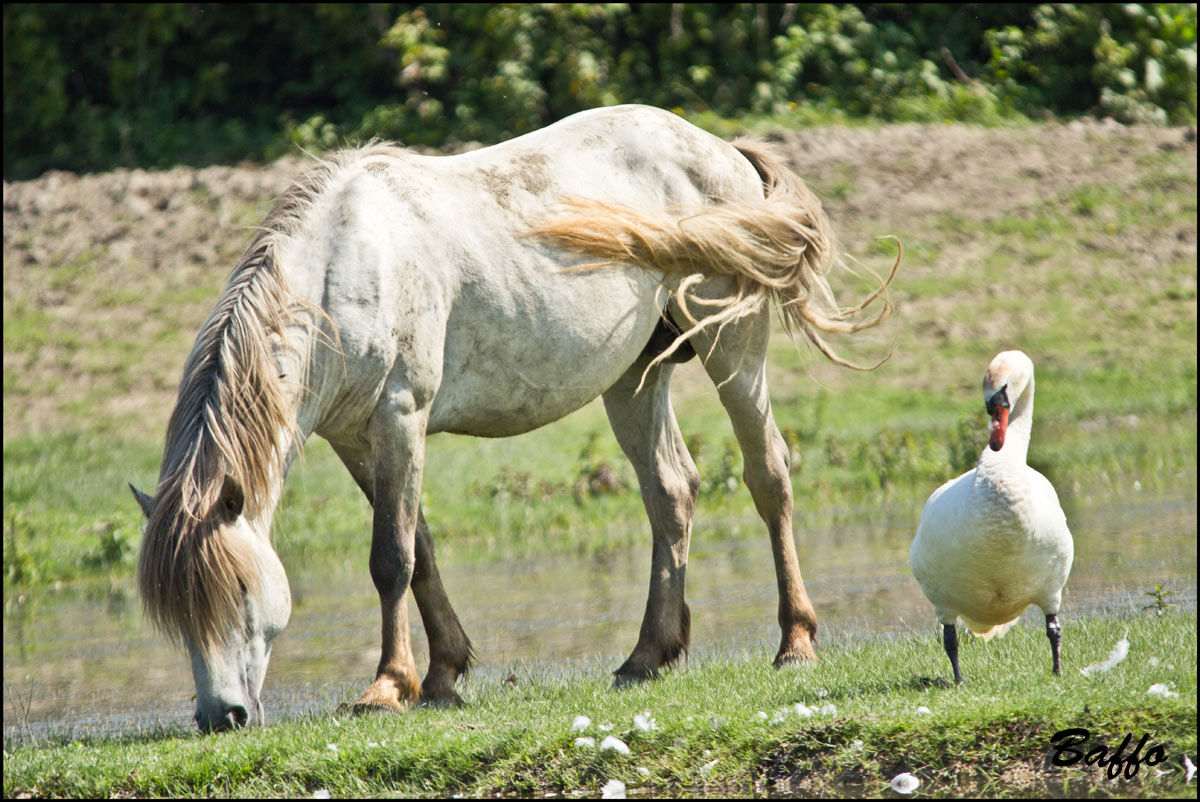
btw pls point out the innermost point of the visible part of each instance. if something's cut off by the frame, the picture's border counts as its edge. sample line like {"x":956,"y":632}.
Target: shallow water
{"x":82,"y":662}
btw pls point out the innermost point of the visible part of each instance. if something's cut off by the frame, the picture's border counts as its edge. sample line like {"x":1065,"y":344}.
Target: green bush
{"x":96,"y":86}
{"x":90,"y":87}
{"x":1135,"y":63}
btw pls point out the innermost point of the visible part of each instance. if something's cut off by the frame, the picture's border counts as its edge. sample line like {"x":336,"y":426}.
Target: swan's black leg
{"x":950,"y":641}
{"x":1054,"y":633}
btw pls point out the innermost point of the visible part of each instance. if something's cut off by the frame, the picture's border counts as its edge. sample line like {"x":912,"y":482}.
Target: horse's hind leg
{"x":736,"y":364}
{"x":450,"y":651}
{"x":644,"y":425}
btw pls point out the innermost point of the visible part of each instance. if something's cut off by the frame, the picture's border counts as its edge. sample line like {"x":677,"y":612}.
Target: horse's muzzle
{"x":234,"y":718}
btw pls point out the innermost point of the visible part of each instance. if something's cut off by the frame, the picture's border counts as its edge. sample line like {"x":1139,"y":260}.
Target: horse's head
{"x":215,"y":584}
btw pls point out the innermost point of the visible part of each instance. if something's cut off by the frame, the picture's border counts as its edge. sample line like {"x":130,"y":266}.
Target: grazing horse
{"x":389,"y":296}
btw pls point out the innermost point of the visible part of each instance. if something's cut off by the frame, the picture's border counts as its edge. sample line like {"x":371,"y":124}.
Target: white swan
{"x":995,"y":540}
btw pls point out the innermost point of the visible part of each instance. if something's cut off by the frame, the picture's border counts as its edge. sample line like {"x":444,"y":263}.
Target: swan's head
{"x":1006,"y":380}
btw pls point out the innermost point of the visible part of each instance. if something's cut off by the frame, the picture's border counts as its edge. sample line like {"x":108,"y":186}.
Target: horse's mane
{"x":226,"y":425}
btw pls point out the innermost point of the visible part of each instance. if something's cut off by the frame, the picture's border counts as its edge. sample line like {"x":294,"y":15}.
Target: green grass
{"x":69,"y":514}
{"x":725,"y":725}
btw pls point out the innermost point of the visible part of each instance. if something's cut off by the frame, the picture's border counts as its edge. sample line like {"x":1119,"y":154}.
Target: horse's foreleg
{"x":736,"y":366}
{"x":397,"y":457}
{"x":450,"y":652}
{"x":644,"y":425}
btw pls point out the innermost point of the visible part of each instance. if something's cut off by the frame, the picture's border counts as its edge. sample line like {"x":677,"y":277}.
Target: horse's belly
{"x":477,"y":406}
{"x":513,"y":397}
{"x":506,"y":372}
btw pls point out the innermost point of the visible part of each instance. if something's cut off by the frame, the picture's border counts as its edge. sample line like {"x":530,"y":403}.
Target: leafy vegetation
{"x":158,"y":84}
{"x":725,"y":725}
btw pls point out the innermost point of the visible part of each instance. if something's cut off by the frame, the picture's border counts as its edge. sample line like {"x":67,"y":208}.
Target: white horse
{"x":390,"y":296}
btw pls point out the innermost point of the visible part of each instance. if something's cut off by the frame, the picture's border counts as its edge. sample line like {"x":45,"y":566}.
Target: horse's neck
{"x":314,"y":365}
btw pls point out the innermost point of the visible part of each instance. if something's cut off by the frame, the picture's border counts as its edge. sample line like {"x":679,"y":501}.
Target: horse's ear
{"x":144,"y":501}
{"x":229,"y":505}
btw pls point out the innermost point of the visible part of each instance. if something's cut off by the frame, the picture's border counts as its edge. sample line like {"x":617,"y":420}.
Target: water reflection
{"x":81,"y":661}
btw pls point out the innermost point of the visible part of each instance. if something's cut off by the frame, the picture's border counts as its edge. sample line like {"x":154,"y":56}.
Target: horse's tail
{"x":801,"y":287}
{"x":779,"y":248}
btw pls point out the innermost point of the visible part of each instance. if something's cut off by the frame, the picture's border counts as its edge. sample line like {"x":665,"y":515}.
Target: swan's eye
{"x":999,"y":400}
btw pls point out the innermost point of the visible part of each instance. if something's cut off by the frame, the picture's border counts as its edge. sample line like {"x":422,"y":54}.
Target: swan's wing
{"x":941,"y":517}
{"x":1048,"y":512}
{"x":1050,"y":538}
{"x":954,"y":487}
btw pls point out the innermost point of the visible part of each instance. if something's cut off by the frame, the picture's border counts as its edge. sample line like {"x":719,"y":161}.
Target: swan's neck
{"x":1016,"y":441}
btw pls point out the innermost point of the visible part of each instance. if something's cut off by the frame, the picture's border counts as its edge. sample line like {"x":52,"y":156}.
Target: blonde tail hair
{"x":780,"y":248}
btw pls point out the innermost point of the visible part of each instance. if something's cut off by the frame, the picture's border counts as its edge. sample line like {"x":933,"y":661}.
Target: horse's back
{"x":626,"y":154}
{"x":518,"y":341}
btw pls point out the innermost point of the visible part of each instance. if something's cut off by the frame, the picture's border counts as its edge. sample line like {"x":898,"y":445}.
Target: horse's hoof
{"x":629,"y":679}
{"x":384,"y":694}
{"x":451,"y":699}
{"x":361,"y":708}
{"x":795,"y":658}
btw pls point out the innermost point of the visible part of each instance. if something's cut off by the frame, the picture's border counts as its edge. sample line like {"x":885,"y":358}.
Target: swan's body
{"x":995,"y":540}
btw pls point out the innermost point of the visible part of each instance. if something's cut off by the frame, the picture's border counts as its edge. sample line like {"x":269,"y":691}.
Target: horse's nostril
{"x":236,"y":716}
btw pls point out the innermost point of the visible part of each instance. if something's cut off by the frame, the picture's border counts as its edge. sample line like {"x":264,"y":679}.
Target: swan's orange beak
{"x":998,"y":426}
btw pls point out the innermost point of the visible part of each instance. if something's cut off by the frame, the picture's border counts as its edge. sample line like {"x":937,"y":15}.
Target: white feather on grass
{"x":904,"y":783}
{"x":645,"y":722}
{"x":613,"y":789}
{"x":615,"y":744}
{"x":1118,"y":653}
{"x":1160,"y":689}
